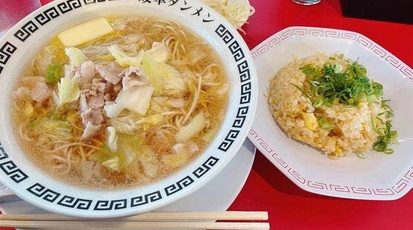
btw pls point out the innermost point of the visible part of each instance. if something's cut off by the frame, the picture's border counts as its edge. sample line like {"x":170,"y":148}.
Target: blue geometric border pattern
{"x":5,"y":53}
{"x":68,"y":6}
{"x":244,"y":71}
{"x":3,"y":153}
{"x":26,"y":30}
{"x":225,"y":34}
{"x":105,"y":205}
{"x":73,"y":202}
{"x":241,"y":115}
{"x":178,"y":186}
{"x":145,"y":199}
{"x":229,"y":139}
{"x":206,"y":166}
{"x":11,"y":169}
{"x":44,"y":17}
{"x":236,"y":51}
{"x":43,"y":192}
{"x":246,"y":96}
{"x":47,"y":16}
{"x":246,"y":86}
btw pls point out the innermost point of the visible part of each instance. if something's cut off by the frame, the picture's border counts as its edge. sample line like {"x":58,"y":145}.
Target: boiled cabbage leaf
{"x":76,"y":56}
{"x":68,"y":90}
{"x":124,"y":59}
{"x":165,"y":78}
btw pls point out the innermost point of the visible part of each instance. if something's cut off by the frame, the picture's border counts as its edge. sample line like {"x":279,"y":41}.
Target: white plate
{"x":217,"y":195}
{"x":381,"y":176}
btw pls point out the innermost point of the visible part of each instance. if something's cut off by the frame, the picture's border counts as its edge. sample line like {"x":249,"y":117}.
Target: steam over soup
{"x":123,"y":108}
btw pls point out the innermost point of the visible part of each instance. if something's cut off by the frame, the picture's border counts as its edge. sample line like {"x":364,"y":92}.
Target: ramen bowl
{"x":34,"y":185}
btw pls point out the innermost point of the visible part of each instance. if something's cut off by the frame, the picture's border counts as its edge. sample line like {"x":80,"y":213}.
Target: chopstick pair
{"x":153,"y":220}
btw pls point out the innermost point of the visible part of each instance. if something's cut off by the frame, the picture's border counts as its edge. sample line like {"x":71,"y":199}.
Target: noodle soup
{"x":121,"y":109}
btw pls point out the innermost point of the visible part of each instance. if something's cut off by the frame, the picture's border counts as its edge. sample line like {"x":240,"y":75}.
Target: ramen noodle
{"x":121,"y":109}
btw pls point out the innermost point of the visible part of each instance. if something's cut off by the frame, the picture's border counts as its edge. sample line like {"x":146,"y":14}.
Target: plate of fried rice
{"x":334,"y":113}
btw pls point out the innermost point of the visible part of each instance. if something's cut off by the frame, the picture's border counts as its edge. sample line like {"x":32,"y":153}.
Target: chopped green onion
{"x":388,"y":137}
{"x":299,"y":88}
{"x":333,"y":83}
{"x":54,"y":73}
{"x":349,"y":85}
{"x":324,"y":124}
{"x":337,"y":68}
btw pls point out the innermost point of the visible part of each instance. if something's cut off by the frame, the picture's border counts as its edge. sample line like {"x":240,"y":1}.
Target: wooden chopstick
{"x":134,"y":225}
{"x":151,"y":220}
{"x":216,"y":215}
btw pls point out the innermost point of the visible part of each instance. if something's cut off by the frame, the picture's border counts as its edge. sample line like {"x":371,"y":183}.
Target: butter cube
{"x":85,"y":32}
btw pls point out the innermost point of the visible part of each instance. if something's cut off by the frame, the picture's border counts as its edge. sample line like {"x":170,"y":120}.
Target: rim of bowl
{"x":59,"y":197}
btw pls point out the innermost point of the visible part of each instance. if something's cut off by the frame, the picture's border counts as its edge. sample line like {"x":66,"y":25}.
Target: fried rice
{"x":351,"y":128}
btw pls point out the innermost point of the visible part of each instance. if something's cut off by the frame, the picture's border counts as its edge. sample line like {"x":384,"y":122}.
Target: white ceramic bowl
{"x":19,"y":45}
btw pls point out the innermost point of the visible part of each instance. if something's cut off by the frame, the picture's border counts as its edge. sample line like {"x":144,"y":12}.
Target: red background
{"x":267,"y":188}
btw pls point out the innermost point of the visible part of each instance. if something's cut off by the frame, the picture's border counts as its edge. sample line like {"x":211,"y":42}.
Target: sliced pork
{"x":41,"y":92}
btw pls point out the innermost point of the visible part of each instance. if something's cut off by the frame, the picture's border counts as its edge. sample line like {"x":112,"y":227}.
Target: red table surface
{"x":290,"y":207}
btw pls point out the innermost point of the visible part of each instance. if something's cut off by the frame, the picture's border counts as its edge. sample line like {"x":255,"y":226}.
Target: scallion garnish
{"x":347,"y":83}
{"x":333,"y":83}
